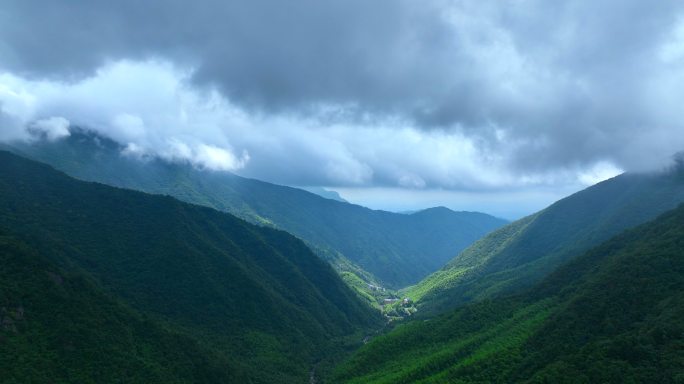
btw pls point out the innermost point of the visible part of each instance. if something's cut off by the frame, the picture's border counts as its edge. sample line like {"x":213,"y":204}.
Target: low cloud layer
{"x":418,"y":95}
{"x":153,"y":111}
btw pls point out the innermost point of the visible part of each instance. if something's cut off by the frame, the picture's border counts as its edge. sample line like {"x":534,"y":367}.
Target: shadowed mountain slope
{"x":250,"y":301}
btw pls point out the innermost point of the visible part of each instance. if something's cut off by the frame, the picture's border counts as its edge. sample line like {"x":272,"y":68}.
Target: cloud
{"x":144,"y":106}
{"x":172,"y":120}
{"x":599,"y":172}
{"x":216,"y":158}
{"x":11,"y":129}
{"x":52,"y":128}
{"x":128,"y":125}
{"x":262,"y":54}
{"x":455,"y":95}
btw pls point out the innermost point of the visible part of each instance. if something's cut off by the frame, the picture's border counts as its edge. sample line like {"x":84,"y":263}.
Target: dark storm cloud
{"x":542,"y":84}
{"x":270,"y":55}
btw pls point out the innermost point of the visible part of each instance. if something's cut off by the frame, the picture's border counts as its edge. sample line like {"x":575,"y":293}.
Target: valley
{"x":169,"y":274}
{"x":612,"y":314}
{"x":379,"y":247}
{"x":341,"y":192}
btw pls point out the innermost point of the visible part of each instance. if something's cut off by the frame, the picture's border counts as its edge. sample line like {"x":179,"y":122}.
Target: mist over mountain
{"x":341,"y":191}
{"x":397,"y":249}
{"x":328,"y":194}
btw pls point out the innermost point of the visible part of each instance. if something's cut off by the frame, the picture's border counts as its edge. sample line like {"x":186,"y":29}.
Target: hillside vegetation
{"x":391,"y":249}
{"x":522,"y":253}
{"x":61,"y":327}
{"x":613,"y":315}
{"x":173,"y":283}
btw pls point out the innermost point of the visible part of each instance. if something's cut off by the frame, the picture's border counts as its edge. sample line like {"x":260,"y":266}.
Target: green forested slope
{"x":252,"y":295}
{"x":60,"y":327}
{"x":613,"y":315}
{"x":397,"y":249}
{"x":525,"y":251}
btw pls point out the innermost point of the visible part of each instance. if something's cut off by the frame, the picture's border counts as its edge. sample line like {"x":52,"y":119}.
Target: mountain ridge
{"x":396,"y":249}
{"x":523,"y":252}
{"x":253,"y":296}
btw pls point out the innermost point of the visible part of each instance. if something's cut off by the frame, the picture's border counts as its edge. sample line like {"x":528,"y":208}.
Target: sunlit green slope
{"x":521,"y":253}
{"x":612,"y":315}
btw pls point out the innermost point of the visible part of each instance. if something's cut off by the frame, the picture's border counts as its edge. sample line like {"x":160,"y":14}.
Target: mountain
{"x":396,"y":249}
{"x":189,"y":292}
{"x":328,"y":194}
{"x":523,"y":252}
{"x":615,"y":314}
{"x":59,"y":327}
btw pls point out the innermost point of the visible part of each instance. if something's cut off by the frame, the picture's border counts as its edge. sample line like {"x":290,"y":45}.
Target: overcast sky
{"x":500,"y":106}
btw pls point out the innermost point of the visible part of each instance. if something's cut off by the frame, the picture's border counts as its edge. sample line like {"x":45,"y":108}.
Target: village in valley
{"x":391,"y":303}
{"x":393,"y":306}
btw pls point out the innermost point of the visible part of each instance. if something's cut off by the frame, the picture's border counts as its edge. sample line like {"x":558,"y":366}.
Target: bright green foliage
{"x":397,"y":249}
{"x":522,"y":253}
{"x":360,"y":286}
{"x":172,"y":282}
{"x":375,"y":296}
{"x":612,"y":315}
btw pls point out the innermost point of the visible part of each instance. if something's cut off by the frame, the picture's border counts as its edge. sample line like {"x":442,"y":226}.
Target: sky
{"x":498,"y":106}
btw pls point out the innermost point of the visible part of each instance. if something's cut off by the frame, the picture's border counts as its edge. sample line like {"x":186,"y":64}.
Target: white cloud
{"x":151,"y":109}
{"x":411,"y":181}
{"x":219,"y":159}
{"x":53,"y":128}
{"x":145,"y":106}
{"x":134,"y":150}
{"x":599,"y":172}
{"x":454,"y":95}
{"x":130,"y":126}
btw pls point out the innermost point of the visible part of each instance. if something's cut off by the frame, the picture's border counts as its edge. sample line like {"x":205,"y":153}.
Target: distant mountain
{"x":328,"y":194}
{"x":101,"y":284}
{"x":396,"y":249}
{"x":523,"y":252}
{"x":612,"y":315}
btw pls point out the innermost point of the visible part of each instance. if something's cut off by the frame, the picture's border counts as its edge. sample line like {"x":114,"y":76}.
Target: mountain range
{"x":104,"y":284}
{"x":380,"y":247}
{"x":522,"y":253}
